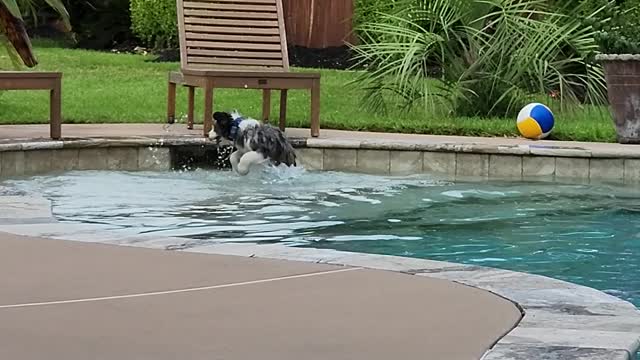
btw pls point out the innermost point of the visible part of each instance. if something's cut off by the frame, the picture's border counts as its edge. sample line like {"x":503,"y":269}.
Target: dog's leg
{"x":249,"y":159}
{"x":235,"y":159}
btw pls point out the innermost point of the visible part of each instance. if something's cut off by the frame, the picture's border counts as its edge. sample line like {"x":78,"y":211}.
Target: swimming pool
{"x":586,"y":234}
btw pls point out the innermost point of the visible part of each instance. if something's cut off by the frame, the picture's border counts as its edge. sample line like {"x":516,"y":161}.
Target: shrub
{"x":617,"y":27}
{"x":95,"y":24}
{"x":155,"y":22}
{"x":366,"y":11}
{"x":615,"y":22}
{"x":493,"y":56}
{"x":100,"y":24}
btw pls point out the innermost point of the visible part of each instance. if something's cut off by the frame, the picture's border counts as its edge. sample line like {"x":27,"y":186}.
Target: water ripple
{"x":581,"y":233}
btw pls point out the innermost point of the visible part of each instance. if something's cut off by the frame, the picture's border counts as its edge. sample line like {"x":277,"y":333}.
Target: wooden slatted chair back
{"x":232,"y":35}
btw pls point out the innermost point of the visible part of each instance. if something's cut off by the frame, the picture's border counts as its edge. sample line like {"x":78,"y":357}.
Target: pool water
{"x":586,"y":234}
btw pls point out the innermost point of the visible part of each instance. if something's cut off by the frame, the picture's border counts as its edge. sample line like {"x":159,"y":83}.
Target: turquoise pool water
{"x":586,"y":234}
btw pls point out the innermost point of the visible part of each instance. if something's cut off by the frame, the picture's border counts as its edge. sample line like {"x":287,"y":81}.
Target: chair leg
{"x":266,"y":104}
{"x":171,"y":103}
{"x":283,"y":109}
{"x":190,"y":109}
{"x":315,"y":108}
{"x":208,"y":108}
{"x":55,"y":112}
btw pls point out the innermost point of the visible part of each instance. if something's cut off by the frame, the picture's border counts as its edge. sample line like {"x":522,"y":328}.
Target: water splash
{"x":168,"y":128}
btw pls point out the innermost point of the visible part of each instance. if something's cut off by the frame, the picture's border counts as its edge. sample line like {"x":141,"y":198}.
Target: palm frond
{"x":493,"y":54}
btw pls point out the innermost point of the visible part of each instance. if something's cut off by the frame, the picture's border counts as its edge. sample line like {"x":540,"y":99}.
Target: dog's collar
{"x":235,"y":127}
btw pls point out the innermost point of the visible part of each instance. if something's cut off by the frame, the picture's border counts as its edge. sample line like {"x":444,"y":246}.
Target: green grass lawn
{"x":101,"y":87}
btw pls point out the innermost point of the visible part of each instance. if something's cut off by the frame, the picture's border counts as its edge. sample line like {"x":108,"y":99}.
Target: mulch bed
{"x":339,"y":58}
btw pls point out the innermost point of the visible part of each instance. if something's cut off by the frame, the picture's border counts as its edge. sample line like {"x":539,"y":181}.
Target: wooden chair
{"x":236,"y":44}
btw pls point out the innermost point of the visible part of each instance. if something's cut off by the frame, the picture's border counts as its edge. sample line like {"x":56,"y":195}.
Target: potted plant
{"x":620,"y":44}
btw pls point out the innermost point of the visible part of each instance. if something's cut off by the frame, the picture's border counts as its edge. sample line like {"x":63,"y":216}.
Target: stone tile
{"x":373,"y":161}
{"x":154,"y":158}
{"x":93,"y":158}
{"x":579,"y":300}
{"x":42,"y":145}
{"x":340,"y":159}
{"x":572,"y":338}
{"x":531,"y":352}
{"x":333,"y":143}
{"x":572,"y":168}
{"x":513,"y":150}
{"x":405,"y":162}
{"x":559,"y":151}
{"x":310,"y":158}
{"x":236,"y":249}
{"x":391,"y":263}
{"x":388,"y":144}
{"x":497,"y":279}
{"x":281,"y":252}
{"x":505,"y":166}
{"x":122,"y":158}
{"x":577,"y":319}
{"x":538,"y":166}
{"x":439,"y":162}
{"x":606,"y":169}
{"x":65,"y":159}
{"x":149,"y":242}
{"x":472,"y":165}
{"x":628,"y":152}
{"x":66,"y":231}
{"x":18,"y":209}
{"x":631,"y":171}
{"x":10,"y":146}
{"x":37,"y":161}
{"x":12,"y":163}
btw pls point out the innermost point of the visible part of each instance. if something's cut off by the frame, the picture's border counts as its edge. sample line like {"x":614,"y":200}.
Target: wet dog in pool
{"x":254,"y":142}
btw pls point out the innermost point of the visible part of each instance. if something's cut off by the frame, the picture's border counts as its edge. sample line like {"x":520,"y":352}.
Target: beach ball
{"x":535,"y":121}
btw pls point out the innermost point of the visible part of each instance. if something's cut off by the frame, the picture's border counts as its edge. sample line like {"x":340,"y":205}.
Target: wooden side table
{"x":27,"y":80}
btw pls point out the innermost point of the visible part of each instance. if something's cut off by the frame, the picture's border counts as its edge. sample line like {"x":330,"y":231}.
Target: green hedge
{"x":621,"y":33}
{"x":154,"y":22}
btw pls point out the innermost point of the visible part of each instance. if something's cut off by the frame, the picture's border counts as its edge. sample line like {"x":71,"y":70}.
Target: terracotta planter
{"x":623,"y":82}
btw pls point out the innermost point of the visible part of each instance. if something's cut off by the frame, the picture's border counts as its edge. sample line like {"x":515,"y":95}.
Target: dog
{"x":254,"y":142}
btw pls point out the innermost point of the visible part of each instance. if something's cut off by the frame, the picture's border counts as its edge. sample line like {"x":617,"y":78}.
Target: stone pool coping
{"x":560,"y":320}
{"x":377,"y":153}
{"x":28,"y":137}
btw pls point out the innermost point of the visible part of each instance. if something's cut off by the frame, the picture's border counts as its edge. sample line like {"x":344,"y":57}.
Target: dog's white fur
{"x":244,"y":158}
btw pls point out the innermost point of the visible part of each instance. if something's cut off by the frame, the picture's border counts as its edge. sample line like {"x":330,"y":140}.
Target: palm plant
{"x":491,"y":55}
{"x":13,"y":33}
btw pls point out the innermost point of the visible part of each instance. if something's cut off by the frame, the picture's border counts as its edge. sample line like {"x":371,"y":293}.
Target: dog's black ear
{"x":222,"y":117}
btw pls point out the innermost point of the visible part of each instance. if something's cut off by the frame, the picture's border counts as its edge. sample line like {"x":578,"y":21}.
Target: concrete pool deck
{"x":70,"y":300}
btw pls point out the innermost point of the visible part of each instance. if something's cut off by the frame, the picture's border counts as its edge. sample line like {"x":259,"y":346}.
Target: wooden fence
{"x":319,"y":24}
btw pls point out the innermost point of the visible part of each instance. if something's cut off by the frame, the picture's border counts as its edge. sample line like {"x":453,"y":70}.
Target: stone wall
{"x":450,"y":161}
{"x":472,"y":165}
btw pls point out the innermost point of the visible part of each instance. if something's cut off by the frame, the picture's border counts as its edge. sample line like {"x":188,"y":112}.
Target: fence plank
{"x":319,"y":24}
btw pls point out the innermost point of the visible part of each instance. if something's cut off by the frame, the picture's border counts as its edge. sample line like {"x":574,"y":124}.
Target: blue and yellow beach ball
{"x":535,"y":121}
